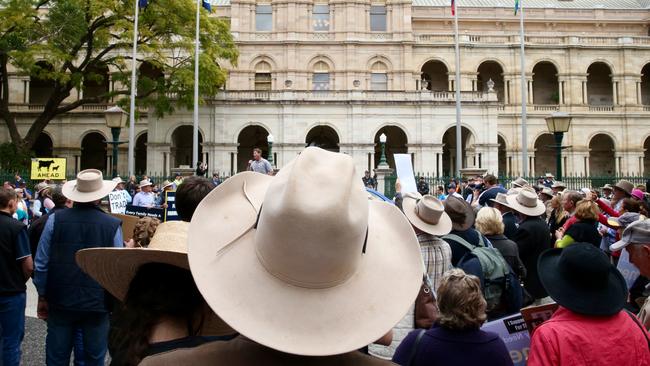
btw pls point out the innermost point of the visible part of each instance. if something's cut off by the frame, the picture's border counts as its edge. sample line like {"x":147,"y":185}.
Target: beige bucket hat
{"x":88,"y":187}
{"x":114,"y":268}
{"x":322,"y":271}
{"x":527,"y":203}
{"x":426,"y":213}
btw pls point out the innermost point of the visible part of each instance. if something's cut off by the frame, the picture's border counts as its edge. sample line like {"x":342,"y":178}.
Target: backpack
{"x":501,"y":287}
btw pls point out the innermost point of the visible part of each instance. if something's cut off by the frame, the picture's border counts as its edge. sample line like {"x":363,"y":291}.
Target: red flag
{"x":453,"y":7}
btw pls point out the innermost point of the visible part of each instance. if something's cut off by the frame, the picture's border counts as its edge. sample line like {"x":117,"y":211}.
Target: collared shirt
{"x":573,"y":339}
{"x":43,"y":253}
{"x":261,"y":166}
{"x":144,"y":199}
{"x":436,"y":254}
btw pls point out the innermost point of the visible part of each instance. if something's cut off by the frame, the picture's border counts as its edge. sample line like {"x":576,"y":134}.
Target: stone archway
{"x":490,"y":70}
{"x":645,"y":85}
{"x":181,"y":147}
{"x":602,"y":159}
{"x":141,"y":154}
{"x":248,"y":139}
{"x":396,"y":143}
{"x":93,"y":152}
{"x":96,"y":82}
{"x":599,"y":85}
{"x":546,"y":87}
{"x":646,"y":157}
{"x":43,"y":147}
{"x":435,"y":76}
{"x":545,"y":159}
{"x":449,"y":150}
{"x":324,"y":137}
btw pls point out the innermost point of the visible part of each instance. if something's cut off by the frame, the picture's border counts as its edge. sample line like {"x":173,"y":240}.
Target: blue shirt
{"x":43,"y":253}
{"x":144,"y":199}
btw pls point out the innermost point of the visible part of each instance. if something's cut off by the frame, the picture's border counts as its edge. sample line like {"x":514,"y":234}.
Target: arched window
{"x":379,"y":76}
{"x":321,"y":76}
{"x":435,"y":76}
{"x":599,"y":84}
{"x":40,"y":86}
{"x":263,"y":76}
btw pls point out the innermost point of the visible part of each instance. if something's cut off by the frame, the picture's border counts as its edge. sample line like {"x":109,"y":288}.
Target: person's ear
{"x":645,"y":249}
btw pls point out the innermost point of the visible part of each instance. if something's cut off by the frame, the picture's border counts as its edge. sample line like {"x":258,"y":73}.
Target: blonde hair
{"x":586,"y":210}
{"x":489,"y":221}
{"x":460,"y":301}
{"x":144,"y":230}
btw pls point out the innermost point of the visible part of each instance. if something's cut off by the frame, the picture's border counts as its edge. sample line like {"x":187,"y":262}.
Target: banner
{"x":138,"y":211}
{"x":48,"y":168}
{"x":405,"y":174}
{"x":170,"y":211}
{"x":627,"y":269}
{"x":117,"y":202}
{"x":513,"y":332}
{"x":534,"y":316}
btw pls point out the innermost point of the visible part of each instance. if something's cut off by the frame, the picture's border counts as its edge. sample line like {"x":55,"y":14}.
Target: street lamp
{"x":558,"y":123}
{"x":115,"y":120}
{"x":269,"y":139}
{"x":382,"y":158}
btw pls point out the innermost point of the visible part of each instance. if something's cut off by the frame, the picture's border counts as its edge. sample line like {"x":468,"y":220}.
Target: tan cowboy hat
{"x":607,"y":187}
{"x":426,"y":213}
{"x":88,"y":187}
{"x":549,"y":175}
{"x":117,"y":180}
{"x":625,"y":186}
{"x":527,"y":203}
{"x":547,"y":191}
{"x":501,"y":199}
{"x":166,"y":184}
{"x":41,"y":186}
{"x":558,"y":184}
{"x":460,"y":212}
{"x":312,"y":275}
{"x":115,"y":268}
{"x":145,"y":182}
{"x":520,"y":183}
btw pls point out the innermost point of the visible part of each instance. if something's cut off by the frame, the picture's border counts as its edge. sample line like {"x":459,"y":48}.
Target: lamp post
{"x":382,"y":158}
{"x":115,"y":120}
{"x":269,"y":139}
{"x":558,"y":123}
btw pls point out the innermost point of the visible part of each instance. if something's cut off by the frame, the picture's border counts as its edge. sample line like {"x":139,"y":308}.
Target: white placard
{"x":405,"y":173}
{"x":627,"y":269}
{"x":118,"y":202}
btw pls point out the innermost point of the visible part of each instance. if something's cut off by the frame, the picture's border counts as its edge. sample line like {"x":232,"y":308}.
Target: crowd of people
{"x":302,"y":268}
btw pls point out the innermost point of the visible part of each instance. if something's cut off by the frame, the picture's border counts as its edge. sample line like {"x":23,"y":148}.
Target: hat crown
{"x":314,"y":220}
{"x":170,"y":236}
{"x":429,"y":209}
{"x":584,"y":265}
{"x":89,"y":180}
{"x":625,"y":185}
{"x":527,"y":198}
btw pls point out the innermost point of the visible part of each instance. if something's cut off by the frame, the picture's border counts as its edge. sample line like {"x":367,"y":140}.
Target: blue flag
{"x":143,"y":3}
{"x":206,"y":5}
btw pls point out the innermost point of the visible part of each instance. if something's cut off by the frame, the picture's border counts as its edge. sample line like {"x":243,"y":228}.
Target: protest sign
{"x":138,"y":211}
{"x":405,"y":174}
{"x":170,"y":211}
{"x":627,"y":269}
{"x":117,"y":202}
{"x":513,"y":332}
{"x":128,"y":225}
{"x":536,"y":315}
{"x":48,"y":168}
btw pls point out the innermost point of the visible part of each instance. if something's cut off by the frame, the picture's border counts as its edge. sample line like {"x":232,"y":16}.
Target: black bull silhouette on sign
{"x":45,"y":164}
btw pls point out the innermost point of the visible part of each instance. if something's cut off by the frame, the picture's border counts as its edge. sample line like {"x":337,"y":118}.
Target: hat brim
{"x":70,"y":191}
{"x":307,"y":321}
{"x":628,"y":193}
{"x":506,"y":204}
{"x":146,"y":184}
{"x":619,"y":245}
{"x":443,"y":227}
{"x":538,"y":210}
{"x":604,"y":301}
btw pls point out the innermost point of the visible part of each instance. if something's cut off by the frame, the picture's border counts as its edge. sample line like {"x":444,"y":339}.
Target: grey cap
{"x":636,"y":233}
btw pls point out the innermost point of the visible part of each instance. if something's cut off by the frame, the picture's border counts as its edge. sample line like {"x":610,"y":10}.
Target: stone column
{"x":382,"y":172}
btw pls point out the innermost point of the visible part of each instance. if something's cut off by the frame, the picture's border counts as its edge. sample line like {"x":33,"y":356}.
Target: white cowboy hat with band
{"x":426,"y":213}
{"x":526,"y":202}
{"x":88,"y":187}
{"x":320,"y":270}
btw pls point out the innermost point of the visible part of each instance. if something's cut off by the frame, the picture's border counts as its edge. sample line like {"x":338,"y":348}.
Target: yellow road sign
{"x":48,"y":168}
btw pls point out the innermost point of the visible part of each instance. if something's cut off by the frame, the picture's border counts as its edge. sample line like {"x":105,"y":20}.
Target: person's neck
{"x":168,"y":329}
{"x":6,"y":210}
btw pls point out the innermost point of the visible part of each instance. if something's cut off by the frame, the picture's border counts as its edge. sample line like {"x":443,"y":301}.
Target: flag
{"x":143,"y":3}
{"x":453,"y":7}
{"x":516,"y":6}
{"x":207,"y":6}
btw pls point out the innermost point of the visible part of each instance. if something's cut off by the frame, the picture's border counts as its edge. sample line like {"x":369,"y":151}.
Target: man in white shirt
{"x":145,"y":198}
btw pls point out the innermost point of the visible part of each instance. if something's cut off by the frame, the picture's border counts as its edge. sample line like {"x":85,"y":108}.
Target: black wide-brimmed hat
{"x":580,"y":278}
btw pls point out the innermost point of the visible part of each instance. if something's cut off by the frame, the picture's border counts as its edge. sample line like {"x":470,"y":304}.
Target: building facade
{"x":339,"y":73}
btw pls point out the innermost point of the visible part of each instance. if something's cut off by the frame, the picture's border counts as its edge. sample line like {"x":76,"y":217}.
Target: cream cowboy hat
{"x":526,"y":202}
{"x":520,"y":183}
{"x":426,"y":213}
{"x":145,"y":182}
{"x":501,"y":199}
{"x":322,"y":271}
{"x":115,"y":268}
{"x":88,"y":187}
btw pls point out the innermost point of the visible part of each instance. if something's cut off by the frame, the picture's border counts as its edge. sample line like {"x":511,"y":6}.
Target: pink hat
{"x":637,"y":193}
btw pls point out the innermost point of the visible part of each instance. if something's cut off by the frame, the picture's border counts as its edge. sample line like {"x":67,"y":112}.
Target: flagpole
{"x":195,"y":132}
{"x":459,"y":148}
{"x":524,"y":129}
{"x":131,"y":154}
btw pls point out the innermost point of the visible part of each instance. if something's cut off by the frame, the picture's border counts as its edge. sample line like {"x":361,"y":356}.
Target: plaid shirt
{"x":436,"y":254}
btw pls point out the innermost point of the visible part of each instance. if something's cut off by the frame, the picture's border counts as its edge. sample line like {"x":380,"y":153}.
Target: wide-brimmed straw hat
{"x":312,"y":273}
{"x":624,"y":186}
{"x":426,"y":213}
{"x":115,"y":268}
{"x":501,"y":199}
{"x":88,"y":187}
{"x":581,"y":278}
{"x":520,"y":183}
{"x":460,"y":212}
{"x":527,"y":203}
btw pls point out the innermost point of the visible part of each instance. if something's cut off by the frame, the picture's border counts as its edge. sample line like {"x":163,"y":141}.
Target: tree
{"x":69,"y":44}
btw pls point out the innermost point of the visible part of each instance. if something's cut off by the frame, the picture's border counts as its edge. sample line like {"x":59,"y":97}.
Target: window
{"x":263,"y":76}
{"x":378,"y":76}
{"x":321,"y":76}
{"x":263,"y":18}
{"x":378,"y":18}
{"x":321,"y":18}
